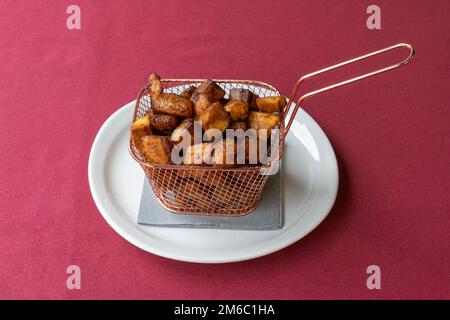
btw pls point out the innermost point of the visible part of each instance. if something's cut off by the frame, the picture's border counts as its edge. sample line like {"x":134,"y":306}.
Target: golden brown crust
{"x":188,"y":92}
{"x":174,"y":115}
{"x":224,"y":156}
{"x":201,"y":104}
{"x":169,"y":103}
{"x":271,"y":104}
{"x":164,"y":123}
{"x":197,"y":154}
{"x":156,"y":149}
{"x":239,"y":125}
{"x":186,"y":126}
{"x":239,"y":105}
{"x":154,"y":86}
{"x":238,"y":110}
{"x":262,"y":120}
{"x":213,"y":91}
{"x":253,"y":106}
{"x":243,"y":95}
{"x":215,"y":117}
{"x":142,"y":123}
{"x":140,"y":128}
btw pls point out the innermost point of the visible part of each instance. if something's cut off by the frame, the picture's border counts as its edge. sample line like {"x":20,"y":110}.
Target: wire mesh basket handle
{"x":345,"y":82}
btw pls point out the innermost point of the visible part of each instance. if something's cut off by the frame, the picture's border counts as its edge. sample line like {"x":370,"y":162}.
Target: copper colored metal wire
{"x":236,"y":191}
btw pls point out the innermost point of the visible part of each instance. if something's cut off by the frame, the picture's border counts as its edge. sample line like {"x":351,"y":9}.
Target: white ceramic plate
{"x":310,"y":183}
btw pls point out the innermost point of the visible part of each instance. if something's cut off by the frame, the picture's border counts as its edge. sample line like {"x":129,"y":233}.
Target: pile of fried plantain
{"x":171,"y":116}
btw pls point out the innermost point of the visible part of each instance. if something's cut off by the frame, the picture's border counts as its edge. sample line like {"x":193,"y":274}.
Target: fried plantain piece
{"x":262,"y":120}
{"x":224,"y":154}
{"x":164,"y":123}
{"x":238,"y":110}
{"x":210,"y":89}
{"x":271,"y":104}
{"x":251,"y":150}
{"x":188,"y":92}
{"x":154,"y":86}
{"x":242,"y":149}
{"x":156,"y":149}
{"x":186,"y":126}
{"x":253,"y":106}
{"x":197,"y":153}
{"x":239,"y":94}
{"x":216,"y":117}
{"x":238,"y":125}
{"x":140,"y":128}
{"x":169,"y":103}
{"x":201,"y":104}
{"x":142,"y":123}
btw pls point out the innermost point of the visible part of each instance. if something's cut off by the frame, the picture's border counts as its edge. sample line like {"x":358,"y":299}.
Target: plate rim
{"x":243,"y":257}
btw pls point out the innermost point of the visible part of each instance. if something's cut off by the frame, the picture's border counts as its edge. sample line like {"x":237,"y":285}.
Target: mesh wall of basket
{"x":229,"y":191}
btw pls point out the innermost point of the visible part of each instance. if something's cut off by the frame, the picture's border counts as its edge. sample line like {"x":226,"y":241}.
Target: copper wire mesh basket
{"x":229,"y":191}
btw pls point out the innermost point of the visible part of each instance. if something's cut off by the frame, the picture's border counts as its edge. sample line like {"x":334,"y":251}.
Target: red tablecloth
{"x":390,"y":135}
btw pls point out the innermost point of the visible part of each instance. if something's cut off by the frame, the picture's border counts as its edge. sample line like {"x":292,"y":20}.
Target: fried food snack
{"x":239,"y":105}
{"x":243,"y":95}
{"x":188,"y":92}
{"x":197,"y":153}
{"x":155,"y":86}
{"x":186,"y":126}
{"x":170,"y":103}
{"x":140,"y":128}
{"x":142,"y":123}
{"x":216,"y":117}
{"x":172,"y":116}
{"x":238,"y":125}
{"x":242,"y":148}
{"x":201,"y":104}
{"x":164,"y":123}
{"x":212,"y":91}
{"x":226,"y":155}
{"x":156,"y":149}
{"x":238,"y":110}
{"x":271,"y":104}
{"x":262,"y":120}
{"x":253,"y":106}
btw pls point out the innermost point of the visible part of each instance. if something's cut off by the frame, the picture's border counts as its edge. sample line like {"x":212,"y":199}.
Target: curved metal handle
{"x":343,"y":83}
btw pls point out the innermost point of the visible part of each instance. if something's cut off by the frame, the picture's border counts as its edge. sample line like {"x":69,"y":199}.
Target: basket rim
{"x":203,"y":166}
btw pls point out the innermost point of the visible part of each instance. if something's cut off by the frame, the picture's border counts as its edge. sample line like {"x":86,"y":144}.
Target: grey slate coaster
{"x":267,"y":216}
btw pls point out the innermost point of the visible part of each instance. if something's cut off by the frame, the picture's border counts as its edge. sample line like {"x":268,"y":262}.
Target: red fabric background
{"x":390,"y":133}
